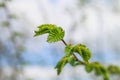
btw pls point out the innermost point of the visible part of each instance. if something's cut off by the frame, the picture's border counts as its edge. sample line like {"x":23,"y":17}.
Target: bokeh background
{"x":95,"y":23}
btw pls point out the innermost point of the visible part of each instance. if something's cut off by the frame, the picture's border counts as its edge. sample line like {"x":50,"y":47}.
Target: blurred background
{"x":95,"y":23}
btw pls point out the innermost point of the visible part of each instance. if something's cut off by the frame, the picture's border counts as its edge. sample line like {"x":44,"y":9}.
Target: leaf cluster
{"x":69,"y":56}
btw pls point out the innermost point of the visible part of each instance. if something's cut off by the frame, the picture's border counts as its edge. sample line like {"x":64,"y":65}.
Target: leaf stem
{"x":81,"y":62}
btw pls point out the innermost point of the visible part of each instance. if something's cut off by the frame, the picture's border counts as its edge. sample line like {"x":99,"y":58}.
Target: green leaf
{"x":86,"y":54}
{"x":45,"y":28}
{"x":97,"y":67}
{"x":68,"y":50}
{"x":60,"y":65}
{"x":83,"y":51}
{"x":56,"y":34}
{"x":88,"y":68}
{"x":71,"y":60}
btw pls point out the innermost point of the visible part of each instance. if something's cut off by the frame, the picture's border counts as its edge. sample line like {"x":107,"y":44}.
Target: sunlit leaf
{"x":60,"y":65}
{"x":71,"y":60}
{"x":83,"y":52}
{"x":45,"y":28}
{"x":68,"y":50}
{"x":56,"y":34}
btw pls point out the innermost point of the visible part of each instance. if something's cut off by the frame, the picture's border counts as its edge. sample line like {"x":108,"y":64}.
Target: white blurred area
{"x":95,"y":24}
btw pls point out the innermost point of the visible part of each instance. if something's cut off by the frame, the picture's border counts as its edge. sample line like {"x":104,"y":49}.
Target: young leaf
{"x":71,"y":60}
{"x":61,"y":64}
{"x":45,"y":28}
{"x":83,"y":52}
{"x":97,"y":67}
{"x":86,"y":54}
{"x":68,"y":50}
{"x":89,"y":67}
{"x":56,"y":34}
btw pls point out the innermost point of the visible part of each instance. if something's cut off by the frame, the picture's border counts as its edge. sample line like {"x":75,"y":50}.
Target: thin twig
{"x":64,"y":42}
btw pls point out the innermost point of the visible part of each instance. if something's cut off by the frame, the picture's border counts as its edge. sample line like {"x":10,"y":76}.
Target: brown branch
{"x":64,"y":42}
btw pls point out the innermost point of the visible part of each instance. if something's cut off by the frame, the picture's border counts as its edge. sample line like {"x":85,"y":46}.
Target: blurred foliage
{"x":52,"y":30}
{"x":11,"y":46}
{"x":82,"y":3}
